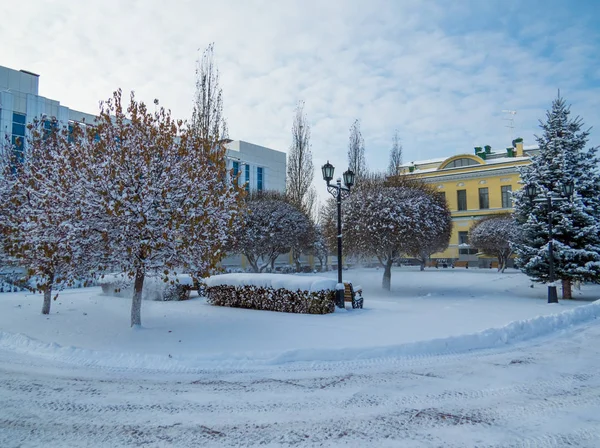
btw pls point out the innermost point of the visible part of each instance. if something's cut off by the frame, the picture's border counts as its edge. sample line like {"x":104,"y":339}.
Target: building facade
{"x":259,"y":168}
{"x":474,"y":186}
{"x":21,"y":104}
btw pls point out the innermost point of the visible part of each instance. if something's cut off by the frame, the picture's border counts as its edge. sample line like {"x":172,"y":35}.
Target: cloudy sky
{"x":440,"y":72}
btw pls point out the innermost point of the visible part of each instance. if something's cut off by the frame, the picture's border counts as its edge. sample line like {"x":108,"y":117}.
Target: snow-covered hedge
{"x":273,"y":292}
{"x":155,"y":288}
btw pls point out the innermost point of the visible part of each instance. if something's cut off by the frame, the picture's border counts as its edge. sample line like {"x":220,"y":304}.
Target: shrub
{"x":269,"y":299}
{"x":155,"y":288}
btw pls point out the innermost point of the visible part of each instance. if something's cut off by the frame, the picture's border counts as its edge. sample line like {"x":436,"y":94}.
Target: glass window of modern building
{"x":236,"y":170}
{"x":247,"y":176}
{"x":259,"y":178}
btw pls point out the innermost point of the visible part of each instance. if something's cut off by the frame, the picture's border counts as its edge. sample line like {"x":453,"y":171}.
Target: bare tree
{"x":356,"y":151}
{"x":208,"y":121}
{"x":300,"y":168}
{"x":493,"y":235}
{"x":395,"y":155}
{"x":328,"y":223}
{"x":300,"y":172}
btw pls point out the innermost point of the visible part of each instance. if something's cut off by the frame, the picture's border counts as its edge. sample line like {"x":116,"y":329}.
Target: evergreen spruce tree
{"x":562,"y":159}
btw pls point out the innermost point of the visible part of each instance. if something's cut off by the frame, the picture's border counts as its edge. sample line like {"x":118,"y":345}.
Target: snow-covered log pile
{"x":155,"y":287}
{"x":273,"y":292}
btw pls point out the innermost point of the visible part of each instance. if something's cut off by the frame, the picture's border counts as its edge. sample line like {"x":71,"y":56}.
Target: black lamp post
{"x":533,"y":194}
{"x":338,"y":191}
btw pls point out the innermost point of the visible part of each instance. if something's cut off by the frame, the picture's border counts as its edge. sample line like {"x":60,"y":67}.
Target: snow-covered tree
{"x":383,"y":220}
{"x":208,"y":121}
{"x":320,"y":248}
{"x":328,"y":223}
{"x":563,"y":159}
{"x":395,"y":155}
{"x":39,"y":211}
{"x":493,"y":235}
{"x":300,"y":168}
{"x":272,"y":227}
{"x":356,"y":151}
{"x":157,"y":193}
{"x":434,"y":238}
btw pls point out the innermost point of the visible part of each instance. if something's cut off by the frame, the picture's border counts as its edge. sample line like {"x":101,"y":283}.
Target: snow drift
{"x":514,"y":332}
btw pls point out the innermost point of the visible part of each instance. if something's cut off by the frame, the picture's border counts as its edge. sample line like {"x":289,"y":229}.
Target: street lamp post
{"x":532,"y":193}
{"x":338,"y":191}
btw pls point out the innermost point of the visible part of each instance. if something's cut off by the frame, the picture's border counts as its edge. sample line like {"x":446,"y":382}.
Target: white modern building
{"x":259,"y":168}
{"x":20,"y":104}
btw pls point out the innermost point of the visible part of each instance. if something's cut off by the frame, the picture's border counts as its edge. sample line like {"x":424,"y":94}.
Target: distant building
{"x":474,"y":186}
{"x":21,"y":104}
{"x":260,"y":168}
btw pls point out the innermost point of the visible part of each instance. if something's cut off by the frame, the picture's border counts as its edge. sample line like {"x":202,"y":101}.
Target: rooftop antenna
{"x":511,"y":122}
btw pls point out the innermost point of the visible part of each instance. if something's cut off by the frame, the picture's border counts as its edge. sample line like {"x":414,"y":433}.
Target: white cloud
{"x":440,"y":73}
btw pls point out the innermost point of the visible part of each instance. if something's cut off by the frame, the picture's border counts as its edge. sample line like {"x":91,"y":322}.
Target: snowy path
{"x":543,"y":393}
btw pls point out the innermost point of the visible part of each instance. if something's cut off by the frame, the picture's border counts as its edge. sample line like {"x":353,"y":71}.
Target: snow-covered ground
{"x":447,"y":358}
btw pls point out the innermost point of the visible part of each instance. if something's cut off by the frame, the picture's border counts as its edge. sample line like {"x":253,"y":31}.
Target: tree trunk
{"x":296,"y":255}
{"x":387,"y":275}
{"x":566,"y":289}
{"x":253,"y":263}
{"x":270,"y":262}
{"x":501,"y":263}
{"x":48,"y":294}
{"x":423,"y":262}
{"x":136,"y":302}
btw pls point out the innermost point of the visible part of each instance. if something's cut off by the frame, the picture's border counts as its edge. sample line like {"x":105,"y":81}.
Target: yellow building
{"x":474,"y":185}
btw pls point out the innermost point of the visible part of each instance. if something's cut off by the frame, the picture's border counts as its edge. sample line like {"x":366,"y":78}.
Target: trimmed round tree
{"x":389,"y":221}
{"x":271,"y":227}
{"x":493,"y":235}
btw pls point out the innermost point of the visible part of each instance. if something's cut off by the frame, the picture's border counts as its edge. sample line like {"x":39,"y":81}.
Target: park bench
{"x":353,"y":295}
{"x":461,"y":264}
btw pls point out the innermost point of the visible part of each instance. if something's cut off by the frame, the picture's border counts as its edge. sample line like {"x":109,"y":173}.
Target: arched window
{"x":461,"y":162}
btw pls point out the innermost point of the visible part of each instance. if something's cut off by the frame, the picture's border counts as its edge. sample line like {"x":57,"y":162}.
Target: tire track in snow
{"x":360,"y":404}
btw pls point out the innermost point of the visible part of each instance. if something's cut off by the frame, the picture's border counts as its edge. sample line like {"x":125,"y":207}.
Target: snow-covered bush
{"x":155,"y":288}
{"x":269,"y":299}
{"x":273,"y":292}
